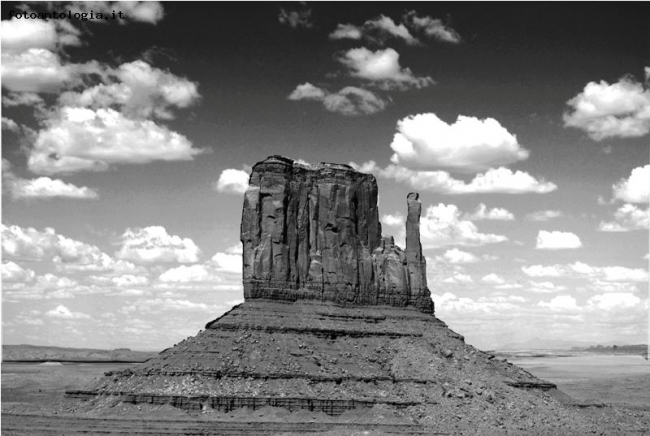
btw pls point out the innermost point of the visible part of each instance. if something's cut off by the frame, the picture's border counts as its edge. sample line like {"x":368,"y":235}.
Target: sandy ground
{"x":622,"y":381}
{"x":33,"y":403}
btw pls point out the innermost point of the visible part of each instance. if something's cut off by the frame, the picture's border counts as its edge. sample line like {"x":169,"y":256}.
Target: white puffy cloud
{"x":191,"y":273}
{"x":442,"y":226}
{"x":232,"y":181}
{"x":543,"y":271}
{"x":45,"y":187}
{"x":555,"y":240}
{"x":34,"y":70}
{"x":614,"y":301}
{"x":393,"y":220}
{"x":382,"y":69}
{"x":349,"y":101}
{"x":229,"y":263}
{"x":140,"y":90}
{"x":432,"y":27}
{"x":21,"y":99}
{"x":347,"y":31}
{"x":296,"y":19}
{"x":78,"y":139}
{"x":425,"y":142}
{"x":456,"y":256}
{"x":544,"y":287}
{"x":29,"y":61}
{"x":636,"y":188}
{"x":376,"y":30}
{"x":14,"y":273}
{"x":67,"y":254}
{"x":9,"y":124}
{"x":483,"y":213}
{"x":583,"y":270}
{"x":154,"y":244}
{"x":63,"y":312}
{"x":51,"y":281}
{"x":20,"y":35}
{"x":493,"y":279}
{"x":544,"y":215}
{"x":627,"y":218}
{"x":499,"y":180}
{"x":561,"y":303}
{"x":379,"y":29}
{"x":621,"y":109}
{"x":459,"y":278}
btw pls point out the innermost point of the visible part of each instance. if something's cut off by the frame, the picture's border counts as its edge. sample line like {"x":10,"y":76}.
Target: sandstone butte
{"x":337,"y":321}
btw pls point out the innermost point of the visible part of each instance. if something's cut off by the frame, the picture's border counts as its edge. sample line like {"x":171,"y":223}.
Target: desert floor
{"x":33,"y":402}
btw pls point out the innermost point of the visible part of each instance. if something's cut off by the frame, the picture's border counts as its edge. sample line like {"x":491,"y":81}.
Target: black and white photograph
{"x":328,"y":218}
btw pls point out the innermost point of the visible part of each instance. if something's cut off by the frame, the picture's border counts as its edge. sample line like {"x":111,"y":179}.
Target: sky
{"x":127,"y":145}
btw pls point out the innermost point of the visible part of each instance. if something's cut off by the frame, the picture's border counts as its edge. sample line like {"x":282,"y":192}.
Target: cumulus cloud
{"x":456,"y":257}
{"x":67,"y":254}
{"x":483,"y":213}
{"x":543,"y":271}
{"x":29,"y":59}
{"x":9,"y":124}
{"x":34,"y":70}
{"x":139,"y":90}
{"x":14,"y":273}
{"x":544,"y":215}
{"x":621,"y":109}
{"x":232,"y":181}
{"x":380,"y":29}
{"x":382,"y":69}
{"x":627,"y":218}
{"x":493,"y":279}
{"x":228,"y":263}
{"x":78,"y":139}
{"x":544,"y":287}
{"x":21,"y":99}
{"x":636,"y":188}
{"x":44,"y":187}
{"x":499,"y":180}
{"x":63,"y":312}
{"x":614,"y":301}
{"x":583,"y":270}
{"x":458,"y":278}
{"x":347,"y":31}
{"x":432,"y":27}
{"x":425,"y":142}
{"x":154,"y":244}
{"x":442,"y":226}
{"x":296,"y":19}
{"x":555,"y":240}
{"x":377,"y":30}
{"x":191,"y":273}
{"x":349,"y":101}
{"x":393,"y":220}
{"x":560,"y":303}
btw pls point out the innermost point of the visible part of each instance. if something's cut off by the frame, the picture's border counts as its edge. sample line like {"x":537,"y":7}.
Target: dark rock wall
{"x":313,"y":232}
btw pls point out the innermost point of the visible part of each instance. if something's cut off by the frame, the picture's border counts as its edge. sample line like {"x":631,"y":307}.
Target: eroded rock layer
{"x":312,"y":232}
{"x":316,"y":356}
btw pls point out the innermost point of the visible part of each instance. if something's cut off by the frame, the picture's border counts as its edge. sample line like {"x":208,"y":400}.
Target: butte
{"x":336,"y":320}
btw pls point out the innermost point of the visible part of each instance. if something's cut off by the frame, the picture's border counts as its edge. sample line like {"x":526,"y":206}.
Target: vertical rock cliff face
{"x":313,"y":232}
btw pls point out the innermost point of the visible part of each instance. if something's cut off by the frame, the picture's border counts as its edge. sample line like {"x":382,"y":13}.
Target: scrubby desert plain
{"x":610,"y":392}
